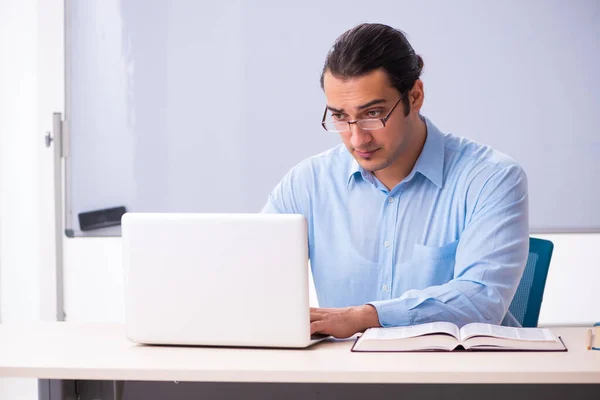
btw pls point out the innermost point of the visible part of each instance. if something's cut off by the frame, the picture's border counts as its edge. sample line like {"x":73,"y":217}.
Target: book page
{"x":402,"y":332}
{"x":495,"y":343}
{"x":431,"y":342}
{"x":506,"y":332}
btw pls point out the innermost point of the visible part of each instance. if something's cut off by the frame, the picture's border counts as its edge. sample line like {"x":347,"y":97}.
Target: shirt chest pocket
{"x":432,"y":265}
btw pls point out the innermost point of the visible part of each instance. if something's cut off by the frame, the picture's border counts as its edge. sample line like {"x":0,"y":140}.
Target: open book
{"x":446,"y":336}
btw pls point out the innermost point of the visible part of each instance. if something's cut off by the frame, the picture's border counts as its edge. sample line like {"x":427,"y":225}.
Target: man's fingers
{"x":318,"y":313}
{"x":322,"y":313}
{"x":317,"y":327}
{"x":323,"y":310}
{"x":315,"y":315}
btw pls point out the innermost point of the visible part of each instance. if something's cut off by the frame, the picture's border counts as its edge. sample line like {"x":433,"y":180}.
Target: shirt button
{"x":390,"y":200}
{"x":384,"y":288}
{"x":386,"y":243}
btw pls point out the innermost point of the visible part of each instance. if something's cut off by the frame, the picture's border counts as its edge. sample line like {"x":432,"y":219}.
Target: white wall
{"x":19,"y":178}
{"x":573,"y":281}
{"x":29,"y":88}
{"x":19,"y":214}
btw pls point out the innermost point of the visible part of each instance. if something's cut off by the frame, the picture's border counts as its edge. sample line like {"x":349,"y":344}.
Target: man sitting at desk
{"x":407,"y":224}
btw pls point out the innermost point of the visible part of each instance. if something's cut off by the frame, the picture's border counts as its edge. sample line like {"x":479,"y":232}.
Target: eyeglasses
{"x":368,"y":124}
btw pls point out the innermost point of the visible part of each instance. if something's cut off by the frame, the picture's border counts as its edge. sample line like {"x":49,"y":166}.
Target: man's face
{"x":369,"y":96}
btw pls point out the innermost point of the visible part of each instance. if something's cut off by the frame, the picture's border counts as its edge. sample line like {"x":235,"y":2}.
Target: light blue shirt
{"x":448,"y":243}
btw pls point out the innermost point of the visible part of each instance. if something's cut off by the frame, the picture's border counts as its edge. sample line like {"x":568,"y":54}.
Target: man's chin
{"x":371,"y":165}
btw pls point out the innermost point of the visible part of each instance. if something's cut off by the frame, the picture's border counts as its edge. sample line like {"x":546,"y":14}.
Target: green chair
{"x":527,"y":302}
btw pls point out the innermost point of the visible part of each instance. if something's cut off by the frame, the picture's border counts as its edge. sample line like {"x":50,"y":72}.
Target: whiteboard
{"x":196,"y":106}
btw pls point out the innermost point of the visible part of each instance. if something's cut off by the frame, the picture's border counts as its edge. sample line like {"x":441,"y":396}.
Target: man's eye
{"x":338,"y":117}
{"x":374,"y":113}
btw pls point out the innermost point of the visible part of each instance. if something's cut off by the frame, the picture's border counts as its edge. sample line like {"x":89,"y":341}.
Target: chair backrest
{"x":527,"y":302}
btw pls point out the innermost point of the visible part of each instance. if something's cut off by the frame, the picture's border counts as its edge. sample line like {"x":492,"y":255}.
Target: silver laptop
{"x":217,"y":279}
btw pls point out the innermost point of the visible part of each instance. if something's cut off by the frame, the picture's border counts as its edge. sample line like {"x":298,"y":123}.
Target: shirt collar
{"x":353,"y":170}
{"x":430,"y":162}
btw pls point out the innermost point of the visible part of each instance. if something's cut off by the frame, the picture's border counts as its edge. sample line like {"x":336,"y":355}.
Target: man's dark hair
{"x":368,"y":47}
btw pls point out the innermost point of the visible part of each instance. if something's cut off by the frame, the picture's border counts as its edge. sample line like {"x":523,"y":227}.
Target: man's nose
{"x":359,"y":137}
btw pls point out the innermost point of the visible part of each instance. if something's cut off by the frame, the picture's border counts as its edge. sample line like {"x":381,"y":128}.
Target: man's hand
{"x":343,"y":322}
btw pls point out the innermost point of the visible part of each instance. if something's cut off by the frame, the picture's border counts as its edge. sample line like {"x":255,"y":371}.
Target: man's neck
{"x":394,"y":174}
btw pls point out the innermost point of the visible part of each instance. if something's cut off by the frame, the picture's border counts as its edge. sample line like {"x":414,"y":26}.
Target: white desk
{"x":65,"y":350}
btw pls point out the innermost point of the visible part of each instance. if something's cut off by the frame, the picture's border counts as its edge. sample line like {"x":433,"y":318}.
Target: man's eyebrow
{"x":335,"y":110}
{"x":361,"y":107}
{"x":371,"y":103}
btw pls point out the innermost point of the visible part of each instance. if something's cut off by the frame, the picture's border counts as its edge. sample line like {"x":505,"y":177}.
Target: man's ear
{"x":416,"y":96}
